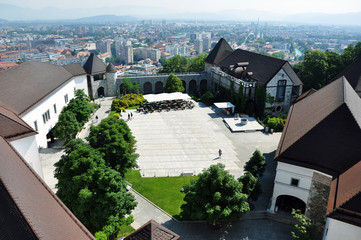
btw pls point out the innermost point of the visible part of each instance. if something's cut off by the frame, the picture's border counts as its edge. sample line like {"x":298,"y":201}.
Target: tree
{"x":249,"y":182}
{"x":207,"y":98}
{"x":280,"y":55}
{"x":256,"y":164}
{"x":80,"y":106}
{"x":173,"y":84}
{"x":215,"y":196}
{"x":128,"y":86}
{"x":197,"y":64}
{"x":95,"y":193}
{"x":176,"y":64}
{"x":113,"y":138}
{"x":67,"y":126}
{"x":305,"y":230}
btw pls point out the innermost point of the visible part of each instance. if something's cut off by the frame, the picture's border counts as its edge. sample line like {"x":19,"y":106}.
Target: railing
{"x":166,"y":74}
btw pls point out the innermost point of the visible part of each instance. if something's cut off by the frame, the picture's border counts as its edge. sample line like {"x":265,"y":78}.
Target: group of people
{"x":165,"y":105}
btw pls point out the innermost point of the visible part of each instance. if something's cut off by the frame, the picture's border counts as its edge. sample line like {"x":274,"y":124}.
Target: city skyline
{"x":277,"y":6}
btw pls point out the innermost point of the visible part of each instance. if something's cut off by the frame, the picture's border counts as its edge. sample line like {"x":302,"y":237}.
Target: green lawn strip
{"x":125,"y":230}
{"x":112,"y":113}
{"x":162,"y":191}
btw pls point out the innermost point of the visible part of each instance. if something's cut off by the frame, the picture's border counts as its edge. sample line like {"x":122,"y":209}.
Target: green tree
{"x":197,"y":64}
{"x":80,"y":106}
{"x":162,"y":60}
{"x":215,"y":196}
{"x":113,"y":138}
{"x":207,"y":98}
{"x":249,"y":182}
{"x":280,"y":55}
{"x":176,"y":64}
{"x":128,"y":86}
{"x":305,"y":230}
{"x":95,"y":193}
{"x":67,"y":126}
{"x":256,"y":164}
{"x":173,"y":84}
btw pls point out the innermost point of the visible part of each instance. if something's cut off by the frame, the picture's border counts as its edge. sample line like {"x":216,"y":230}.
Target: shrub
{"x":275,"y":123}
{"x":126,"y":101}
{"x":117,"y":115}
{"x":207,"y":98}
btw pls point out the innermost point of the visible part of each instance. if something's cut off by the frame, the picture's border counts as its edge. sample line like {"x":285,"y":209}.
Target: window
{"x":281,"y":90}
{"x":54,"y":108}
{"x":66,"y":98}
{"x":294,"y":182}
{"x":99,"y":77}
{"x":46,"y":116}
{"x":295,"y":91}
{"x":36,"y":125}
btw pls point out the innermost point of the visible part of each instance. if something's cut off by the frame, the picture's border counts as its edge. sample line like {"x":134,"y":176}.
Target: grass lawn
{"x":125,"y":230}
{"x":162,"y":191}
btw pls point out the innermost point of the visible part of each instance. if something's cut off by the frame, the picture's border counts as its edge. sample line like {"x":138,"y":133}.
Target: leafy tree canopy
{"x":113,"y":138}
{"x":128,"y":86}
{"x":80,"y":106}
{"x":197,"y":63}
{"x":215,"y":196}
{"x":67,"y":126}
{"x":92,"y":191}
{"x":256,"y":164}
{"x":176,"y":64}
{"x":173,"y":84}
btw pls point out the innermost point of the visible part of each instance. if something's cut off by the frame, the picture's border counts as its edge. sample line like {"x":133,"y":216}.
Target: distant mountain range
{"x":133,"y":13}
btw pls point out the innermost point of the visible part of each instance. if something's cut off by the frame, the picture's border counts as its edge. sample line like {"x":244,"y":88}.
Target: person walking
{"x":220,"y":153}
{"x":131,"y":115}
{"x":128,"y":116}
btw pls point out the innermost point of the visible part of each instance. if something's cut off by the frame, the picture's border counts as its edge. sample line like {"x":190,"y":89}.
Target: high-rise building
{"x":103,"y":46}
{"x":206,"y":44}
{"x":198,"y":46}
{"x":125,"y":50}
{"x":144,"y":53}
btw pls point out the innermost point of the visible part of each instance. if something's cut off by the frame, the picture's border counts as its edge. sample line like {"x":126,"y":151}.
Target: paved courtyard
{"x":187,"y":141}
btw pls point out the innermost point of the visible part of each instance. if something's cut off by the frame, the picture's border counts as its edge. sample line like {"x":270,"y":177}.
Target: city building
{"x":252,"y":69}
{"x":125,"y":50}
{"x":198,"y":46}
{"x":142,"y":53}
{"x":38,"y":91}
{"x":318,"y":164}
{"x":103,"y":46}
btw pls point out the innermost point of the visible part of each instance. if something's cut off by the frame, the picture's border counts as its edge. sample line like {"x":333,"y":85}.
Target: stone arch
{"x":101,"y":92}
{"x":287,"y":203}
{"x":147,"y":88}
{"x":192,"y":87}
{"x":184,"y":85}
{"x":203,"y":86}
{"x":158,"y":87}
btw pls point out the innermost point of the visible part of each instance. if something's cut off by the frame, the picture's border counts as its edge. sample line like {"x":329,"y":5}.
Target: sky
{"x":274,"y":6}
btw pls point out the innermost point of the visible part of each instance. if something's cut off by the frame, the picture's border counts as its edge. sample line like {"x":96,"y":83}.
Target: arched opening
{"x":101,"y":92}
{"x":147,"y":88}
{"x":287,"y":203}
{"x":185,"y":86}
{"x":158,"y":87}
{"x":203,"y":86}
{"x":192,"y":87}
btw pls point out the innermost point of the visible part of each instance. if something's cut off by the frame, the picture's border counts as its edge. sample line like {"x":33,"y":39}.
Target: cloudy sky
{"x":275,"y":6}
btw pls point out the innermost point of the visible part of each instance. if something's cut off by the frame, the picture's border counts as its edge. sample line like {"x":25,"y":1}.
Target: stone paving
{"x":185,"y":142}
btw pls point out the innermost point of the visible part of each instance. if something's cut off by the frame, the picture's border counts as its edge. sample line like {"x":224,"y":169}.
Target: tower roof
{"x":94,"y":65}
{"x":110,"y":68}
{"x":353,"y":75}
{"x":323,"y":131}
{"x":219,"y":52}
{"x":152,"y":230}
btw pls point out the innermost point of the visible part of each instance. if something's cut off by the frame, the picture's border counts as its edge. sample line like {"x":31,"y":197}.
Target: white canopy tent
{"x":225,"y":105}
{"x":166,"y":97}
